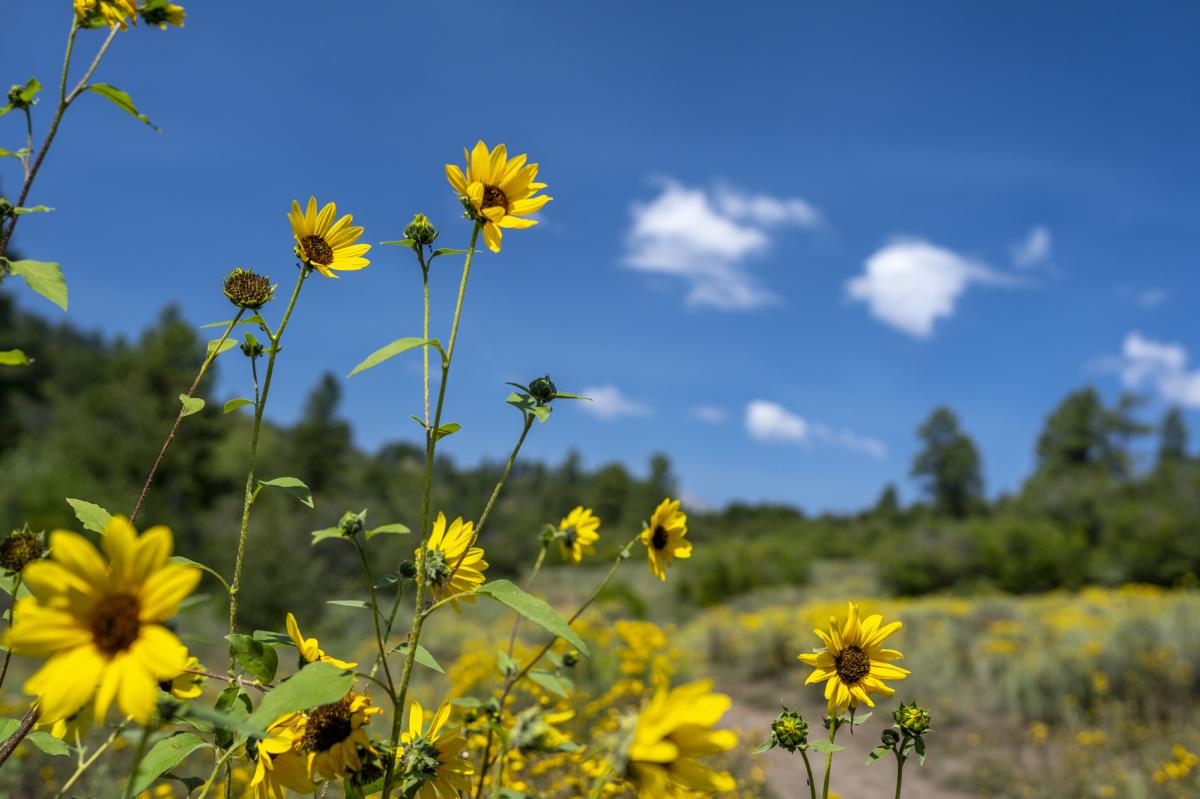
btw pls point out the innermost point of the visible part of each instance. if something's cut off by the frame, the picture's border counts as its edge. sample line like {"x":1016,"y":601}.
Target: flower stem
{"x":16,"y":586}
{"x":379,"y":639}
{"x":812,"y":784}
{"x":9,"y":746}
{"x":84,"y":765}
{"x":833,"y":728}
{"x":138,"y":754}
{"x":260,"y":403}
{"x":899,"y":774}
{"x":537,"y":567}
{"x":208,"y":359}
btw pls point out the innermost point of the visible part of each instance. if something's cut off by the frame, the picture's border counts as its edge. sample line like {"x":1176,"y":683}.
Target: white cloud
{"x":710,"y":414}
{"x":770,"y":422}
{"x":910,"y":284}
{"x":1161,"y":367}
{"x":1152,"y":298}
{"x":1034,"y":250}
{"x":609,"y":403}
{"x":705,"y":238}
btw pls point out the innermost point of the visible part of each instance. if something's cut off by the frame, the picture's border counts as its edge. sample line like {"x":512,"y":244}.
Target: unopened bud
{"x":420,"y":230}
{"x":543,"y":389}
{"x":21,"y":548}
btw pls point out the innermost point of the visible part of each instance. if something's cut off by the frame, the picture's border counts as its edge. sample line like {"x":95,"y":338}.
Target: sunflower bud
{"x":890,"y":737}
{"x":351,"y":524}
{"x":21,"y":548}
{"x":571,"y":659}
{"x":543,"y":389}
{"x":162,"y":13}
{"x":408,"y":570}
{"x":912,"y":719}
{"x":790,"y":731}
{"x":251,"y":348}
{"x":420,"y":230}
{"x":246,"y":288}
{"x":22,"y":96}
{"x":6,"y":208}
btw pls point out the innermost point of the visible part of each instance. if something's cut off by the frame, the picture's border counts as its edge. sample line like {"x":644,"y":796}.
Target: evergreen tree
{"x":948,"y":465}
{"x":1172,"y":439}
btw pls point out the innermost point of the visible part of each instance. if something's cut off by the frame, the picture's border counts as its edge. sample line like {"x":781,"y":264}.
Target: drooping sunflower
{"x":163,"y":13}
{"x":324,"y":244}
{"x":278,"y":762}
{"x":673,"y":731}
{"x":664,"y":537}
{"x":334,"y":734}
{"x":498,"y":191}
{"x":577,"y":534}
{"x":854,"y":663}
{"x":446,"y":546}
{"x":98,"y":618}
{"x":310,"y":648}
{"x":432,"y":755}
{"x":93,"y":13}
{"x":186,"y":684}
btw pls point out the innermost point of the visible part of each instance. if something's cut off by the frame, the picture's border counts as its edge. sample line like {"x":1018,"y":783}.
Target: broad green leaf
{"x":44,"y":277}
{"x":329,"y":532}
{"x":259,"y":660}
{"x":223,"y":721}
{"x":291,"y":485}
{"x":14,"y":358}
{"x":121,"y":100}
{"x":233,"y":404}
{"x":226,"y":345}
{"x":822,"y":745}
{"x":423,"y":657}
{"x":36,"y":209}
{"x":272,"y":637}
{"x":390,"y":351}
{"x":349,"y":603}
{"x":527,"y":404}
{"x":387,"y":529}
{"x":548,"y":681}
{"x":8,"y":727}
{"x":533,"y":609}
{"x":314,"y":685}
{"x":166,"y":754}
{"x":190,"y":405}
{"x":443,"y":430}
{"x":48,"y":743}
{"x":182,"y":561}
{"x":92,"y":516}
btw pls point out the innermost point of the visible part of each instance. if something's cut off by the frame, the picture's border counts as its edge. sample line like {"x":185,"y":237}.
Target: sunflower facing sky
{"x":577,"y":534}
{"x":433,"y":755}
{"x":278,"y":762}
{"x":854,"y":663}
{"x":673,"y":731}
{"x":446,"y":546}
{"x":498,"y":191}
{"x":334,"y":734}
{"x":310,"y":648}
{"x":326,"y":245}
{"x":664,"y":537}
{"x":98,"y":617}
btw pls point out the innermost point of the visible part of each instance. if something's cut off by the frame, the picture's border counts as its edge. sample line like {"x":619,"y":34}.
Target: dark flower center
{"x":852,"y":665}
{"x":115,"y":624}
{"x":660,"y":537}
{"x":328,"y":725}
{"x":316,"y":250}
{"x":494,"y":198}
{"x":570,"y":536}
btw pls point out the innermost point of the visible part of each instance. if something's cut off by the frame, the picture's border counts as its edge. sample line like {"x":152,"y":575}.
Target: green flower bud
{"x":408,"y":570}
{"x":248,"y":289}
{"x":790,"y":731}
{"x":162,"y":13}
{"x":912,"y":719}
{"x":21,"y":548}
{"x":890,"y":737}
{"x":420,"y":230}
{"x":251,"y":348}
{"x":6,"y":208}
{"x":543,"y":389}
{"x":351,"y":524}
{"x":23,"y":95}
{"x":571,"y":659}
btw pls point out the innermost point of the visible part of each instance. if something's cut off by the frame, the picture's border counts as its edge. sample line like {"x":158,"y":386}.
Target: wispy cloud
{"x":910,"y":284}
{"x":705,"y":237}
{"x":609,"y":403}
{"x":710,"y":414}
{"x":1034,"y":249}
{"x":771,"y":422}
{"x":1151,"y":298}
{"x":1161,"y":367}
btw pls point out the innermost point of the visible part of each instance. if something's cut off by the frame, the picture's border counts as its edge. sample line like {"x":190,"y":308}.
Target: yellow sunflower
{"x":71,"y":729}
{"x":186,"y":684}
{"x":446,"y":546}
{"x":432,"y":755}
{"x":310,"y":649}
{"x":664,"y":537}
{"x":92,"y":13}
{"x":334,"y":734}
{"x":98,"y":619}
{"x":854,"y":663}
{"x":278,"y":762}
{"x":163,"y":13}
{"x":499,"y":192}
{"x":673,"y":731}
{"x":324,"y":244}
{"x":577,"y":534}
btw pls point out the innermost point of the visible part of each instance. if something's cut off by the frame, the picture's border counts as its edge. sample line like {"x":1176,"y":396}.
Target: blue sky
{"x":780,"y":235}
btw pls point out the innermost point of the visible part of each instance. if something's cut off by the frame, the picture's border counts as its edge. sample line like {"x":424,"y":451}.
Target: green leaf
{"x":121,"y":100}
{"x":254,"y":319}
{"x":821,"y":745}
{"x":14,"y":358}
{"x":19,"y":154}
{"x":349,"y":603}
{"x":919,"y":745}
{"x":533,"y":609}
{"x":8,"y":727}
{"x":182,"y":561}
{"x":316,"y":684}
{"x":92,"y":516}
{"x":166,"y":754}
{"x":329,"y":532}
{"x":423,"y":657}
{"x":239,"y":402}
{"x":44,"y":277}
{"x":216,"y":719}
{"x":565,"y":395}
{"x":877,"y":753}
{"x":32,"y":210}
{"x":259,"y":660}
{"x":443,"y":430}
{"x":272,"y":637}
{"x":392,"y":350}
{"x":226,"y":345}
{"x":548,"y":681}
{"x":527,"y":404}
{"x":446,"y":251}
{"x":402,"y":243}
{"x":767,"y":747}
{"x":191,"y":404}
{"x":387,"y":529}
{"x":48,"y":743}
{"x":861,"y":718}
{"x":293,"y":486}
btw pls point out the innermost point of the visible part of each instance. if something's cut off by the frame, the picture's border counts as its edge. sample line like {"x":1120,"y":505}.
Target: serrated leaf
{"x":44,"y":277}
{"x":349,"y":603}
{"x":390,"y":351}
{"x":424,"y":657}
{"x":14,"y":358}
{"x":91,"y":516}
{"x":316,"y":684}
{"x":533,"y":609}
{"x":166,"y":754}
{"x":549,"y":682}
{"x":182,"y":561}
{"x":48,"y":744}
{"x":238,"y":402}
{"x":387,"y":529}
{"x":258,"y":659}
{"x":293,"y":486}
{"x":121,"y":100}
{"x":190,"y":404}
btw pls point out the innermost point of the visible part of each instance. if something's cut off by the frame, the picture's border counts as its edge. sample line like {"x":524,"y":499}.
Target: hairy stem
{"x":812,"y":784}
{"x":138,"y":754}
{"x":379,"y":639}
{"x":833,"y":728}
{"x":84,"y":765}
{"x":16,"y":586}
{"x":14,"y":740}
{"x":899,"y":774}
